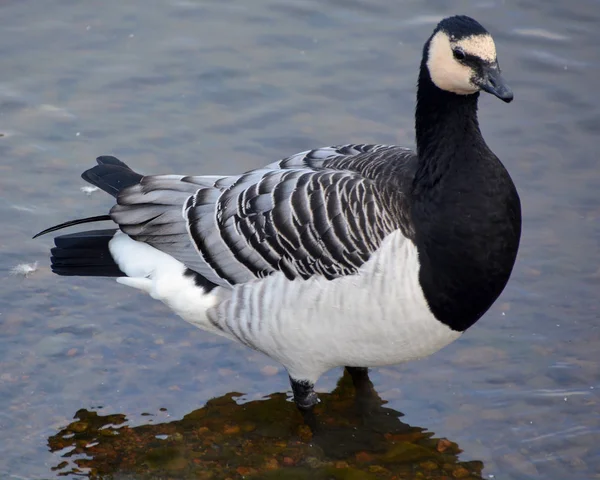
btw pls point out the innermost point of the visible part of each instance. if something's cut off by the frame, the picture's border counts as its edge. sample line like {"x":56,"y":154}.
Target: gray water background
{"x":204,"y":87}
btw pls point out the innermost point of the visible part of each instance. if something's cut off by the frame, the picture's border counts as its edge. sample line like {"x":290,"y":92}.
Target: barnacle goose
{"x":353,"y":255}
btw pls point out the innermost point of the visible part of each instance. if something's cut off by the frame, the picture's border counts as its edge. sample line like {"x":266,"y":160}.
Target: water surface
{"x":225,"y":86}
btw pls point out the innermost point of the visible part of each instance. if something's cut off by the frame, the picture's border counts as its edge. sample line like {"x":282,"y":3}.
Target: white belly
{"x":376,"y":317}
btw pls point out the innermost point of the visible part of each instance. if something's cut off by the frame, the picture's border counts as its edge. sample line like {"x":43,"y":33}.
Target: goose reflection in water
{"x":350,"y":435}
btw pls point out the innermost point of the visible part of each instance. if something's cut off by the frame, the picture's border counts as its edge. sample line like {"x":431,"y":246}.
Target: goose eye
{"x":459,"y":54}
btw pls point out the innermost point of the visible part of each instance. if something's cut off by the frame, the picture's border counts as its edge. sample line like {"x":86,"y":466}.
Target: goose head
{"x":461,"y":58}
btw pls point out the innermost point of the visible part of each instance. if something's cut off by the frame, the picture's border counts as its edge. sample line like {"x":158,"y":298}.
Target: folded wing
{"x":322,"y":212}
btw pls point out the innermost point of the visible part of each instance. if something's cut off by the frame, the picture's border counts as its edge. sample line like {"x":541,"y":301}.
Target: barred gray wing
{"x":322,"y":212}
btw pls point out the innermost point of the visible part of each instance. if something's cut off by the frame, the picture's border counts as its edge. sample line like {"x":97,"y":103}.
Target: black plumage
{"x":84,"y":254}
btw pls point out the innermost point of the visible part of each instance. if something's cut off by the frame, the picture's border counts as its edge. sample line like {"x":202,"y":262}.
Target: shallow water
{"x":225,"y":86}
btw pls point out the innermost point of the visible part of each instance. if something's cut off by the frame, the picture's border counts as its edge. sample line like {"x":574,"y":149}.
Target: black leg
{"x":304,"y":394}
{"x":366,"y":396}
{"x":360,"y":378}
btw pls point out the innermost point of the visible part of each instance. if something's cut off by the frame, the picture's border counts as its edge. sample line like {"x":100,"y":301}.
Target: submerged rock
{"x":350,"y":437}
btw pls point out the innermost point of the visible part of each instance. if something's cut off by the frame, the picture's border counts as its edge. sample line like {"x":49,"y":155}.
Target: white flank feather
{"x":163,"y":278}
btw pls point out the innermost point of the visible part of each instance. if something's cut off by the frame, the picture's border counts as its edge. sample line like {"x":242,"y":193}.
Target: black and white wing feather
{"x":321,"y":212}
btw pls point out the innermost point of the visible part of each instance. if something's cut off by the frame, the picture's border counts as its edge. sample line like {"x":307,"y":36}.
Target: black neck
{"x":446,"y":127}
{"x":465,"y":210}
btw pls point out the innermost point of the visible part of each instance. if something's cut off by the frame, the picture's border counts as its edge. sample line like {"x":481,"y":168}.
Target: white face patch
{"x":449,"y":74}
{"x":481,"y":46}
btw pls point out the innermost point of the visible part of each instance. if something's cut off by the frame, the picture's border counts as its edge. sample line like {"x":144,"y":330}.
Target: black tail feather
{"x":84,"y":254}
{"x":111,"y":175}
{"x":70,"y":223}
{"x":87,"y":253}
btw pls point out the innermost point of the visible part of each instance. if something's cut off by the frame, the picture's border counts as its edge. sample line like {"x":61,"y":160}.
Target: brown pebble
{"x":71,"y":352}
{"x":271,"y":464}
{"x":78,"y":427}
{"x":269,"y":370}
{"x":305,"y":433}
{"x":203,"y":430}
{"x":243,"y":471}
{"x":288,"y":461}
{"x":364,"y":457}
{"x":443,"y":445}
{"x":428,"y":465}
{"x":248,"y":427}
{"x":341,"y":464}
{"x":460,"y":472}
{"x":231,"y":429}
{"x":199,"y":475}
